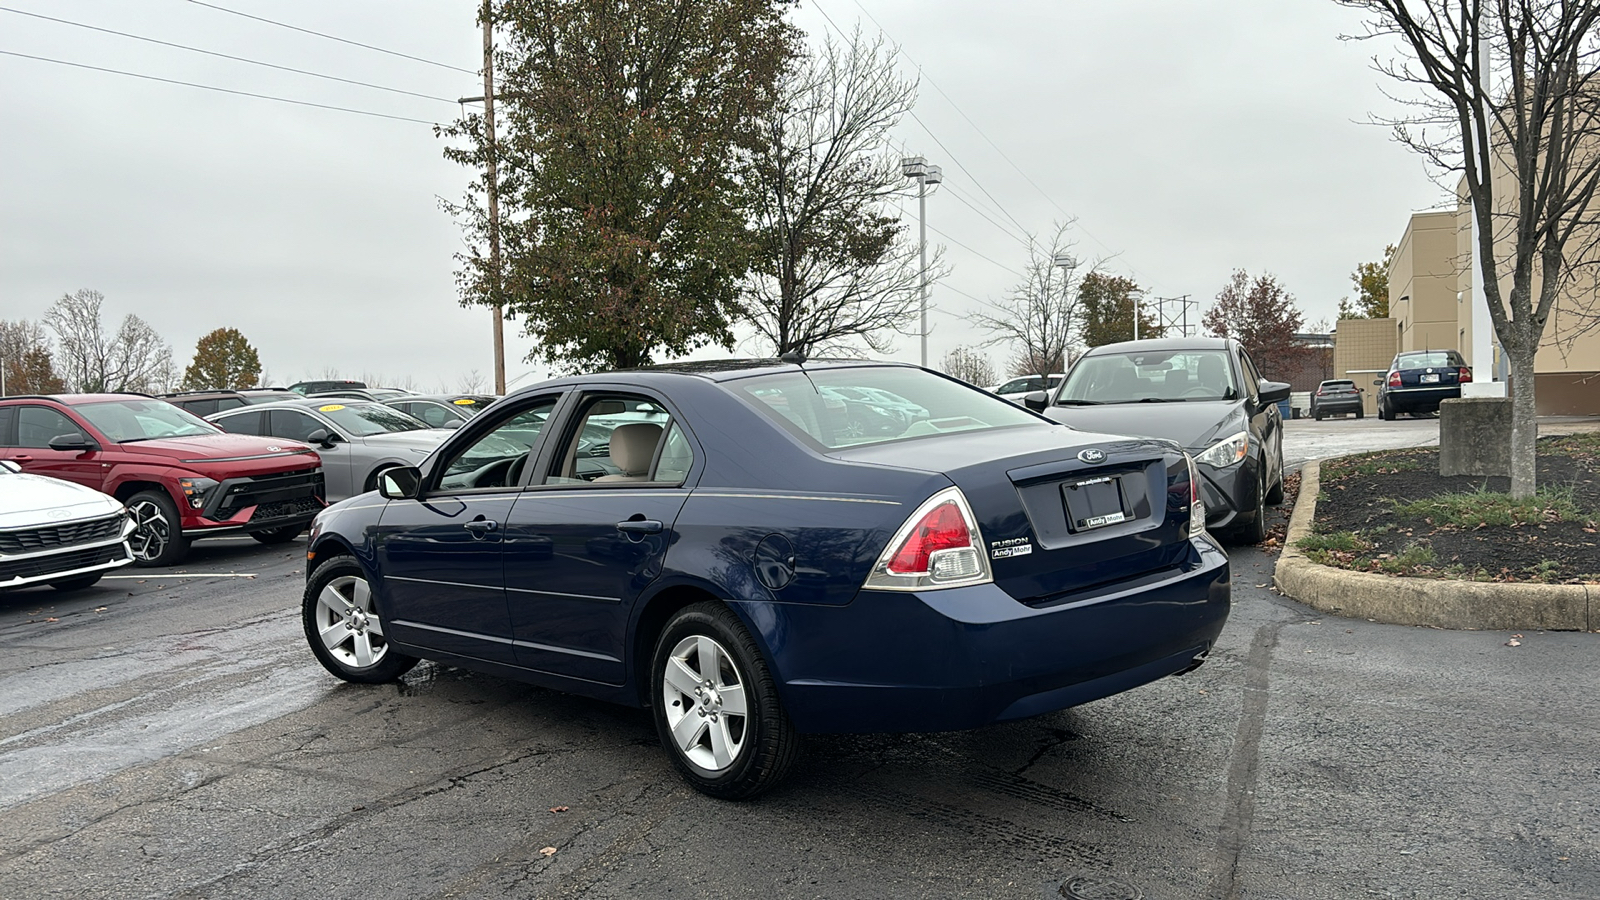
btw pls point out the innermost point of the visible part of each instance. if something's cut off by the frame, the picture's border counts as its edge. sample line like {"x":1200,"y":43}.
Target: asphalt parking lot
{"x":166,"y":734}
{"x":1306,"y":439}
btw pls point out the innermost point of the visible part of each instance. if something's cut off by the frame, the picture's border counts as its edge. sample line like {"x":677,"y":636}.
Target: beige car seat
{"x":633,"y":448}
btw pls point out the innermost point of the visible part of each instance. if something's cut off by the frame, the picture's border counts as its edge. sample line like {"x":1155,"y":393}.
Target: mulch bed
{"x":1358,"y":495}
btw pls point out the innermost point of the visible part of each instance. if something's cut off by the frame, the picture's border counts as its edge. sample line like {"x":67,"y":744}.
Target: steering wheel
{"x":514,"y":474}
{"x":1199,"y":388}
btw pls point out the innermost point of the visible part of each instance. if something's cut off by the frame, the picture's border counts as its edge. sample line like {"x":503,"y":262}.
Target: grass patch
{"x":1577,"y":446}
{"x":1416,"y":556}
{"x":1386,"y":463}
{"x":1340,"y":541}
{"x":1483,"y":508}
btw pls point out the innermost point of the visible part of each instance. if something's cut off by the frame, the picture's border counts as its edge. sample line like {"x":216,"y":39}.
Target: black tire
{"x":279,"y":535}
{"x":1275,"y":493}
{"x":340,"y":574}
{"x":767,"y":744}
{"x":1383,"y":410}
{"x":1255,"y":530}
{"x":1361,"y":413}
{"x":1317,"y":416}
{"x":76,"y":584}
{"x":157,"y":538}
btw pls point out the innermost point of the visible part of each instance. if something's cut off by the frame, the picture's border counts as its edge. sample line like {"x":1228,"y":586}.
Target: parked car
{"x":357,"y":439}
{"x":58,"y":533}
{"x":327,"y":384}
{"x":1336,"y":396}
{"x":204,"y":403}
{"x":749,"y":568}
{"x":439,"y":410}
{"x":1017,"y":388}
{"x":181,"y":477}
{"x":1418,"y":381}
{"x":1214,"y":404}
{"x":371,"y":393}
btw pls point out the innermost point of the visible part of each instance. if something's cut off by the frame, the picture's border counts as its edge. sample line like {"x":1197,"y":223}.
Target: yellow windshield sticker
{"x":331,"y":407}
{"x":466,"y":401}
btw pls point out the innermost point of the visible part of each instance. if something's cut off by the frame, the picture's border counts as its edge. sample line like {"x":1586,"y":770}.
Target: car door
{"x":35,"y":427}
{"x":339,"y":474}
{"x":592,"y":532}
{"x":1265,"y":418}
{"x":440,"y":556}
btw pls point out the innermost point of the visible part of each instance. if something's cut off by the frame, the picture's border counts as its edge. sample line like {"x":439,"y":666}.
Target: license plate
{"x":1431,"y":379}
{"x":1094,"y":502}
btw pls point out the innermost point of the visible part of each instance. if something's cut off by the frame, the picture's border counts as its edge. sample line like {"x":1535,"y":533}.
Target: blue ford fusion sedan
{"x":719,"y":542}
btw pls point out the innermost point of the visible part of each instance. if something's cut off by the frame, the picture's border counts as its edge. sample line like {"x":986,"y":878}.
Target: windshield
{"x":815,"y":405}
{"x":1150,"y":376}
{"x":128,"y":421}
{"x":362,"y":419}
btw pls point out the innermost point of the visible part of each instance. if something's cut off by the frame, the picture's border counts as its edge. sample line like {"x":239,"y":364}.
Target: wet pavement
{"x":1307,"y":439}
{"x":171,"y":737}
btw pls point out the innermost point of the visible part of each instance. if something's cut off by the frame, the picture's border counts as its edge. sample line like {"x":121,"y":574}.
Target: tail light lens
{"x":1464,"y":376}
{"x":1197,"y":507}
{"x":1394,"y":379}
{"x":939,"y":546}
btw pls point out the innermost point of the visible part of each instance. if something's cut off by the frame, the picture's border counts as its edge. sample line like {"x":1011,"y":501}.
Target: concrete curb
{"x":1440,"y":603}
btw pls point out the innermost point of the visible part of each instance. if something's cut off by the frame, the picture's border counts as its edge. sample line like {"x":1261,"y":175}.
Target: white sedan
{"x":58,"y":533}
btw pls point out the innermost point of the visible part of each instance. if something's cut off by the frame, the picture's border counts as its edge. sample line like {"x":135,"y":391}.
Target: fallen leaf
{"x":547,"y":851}
{"x":52,"y":619}
{"x":1513,"y":643}
{"x":558,"y":809}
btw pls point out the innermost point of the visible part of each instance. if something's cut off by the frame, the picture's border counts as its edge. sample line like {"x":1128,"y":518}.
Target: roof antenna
{"x":793,"y":356}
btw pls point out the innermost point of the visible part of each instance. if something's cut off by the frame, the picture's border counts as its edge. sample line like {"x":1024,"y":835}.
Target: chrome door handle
{"x":640,"y":526}
{"x":481,"y":527}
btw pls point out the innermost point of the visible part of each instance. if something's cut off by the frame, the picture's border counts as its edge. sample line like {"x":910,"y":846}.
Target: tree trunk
{"x":1524,"y":426}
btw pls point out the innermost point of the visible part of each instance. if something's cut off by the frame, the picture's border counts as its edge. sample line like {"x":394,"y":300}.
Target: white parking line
{"x":191,"y":575}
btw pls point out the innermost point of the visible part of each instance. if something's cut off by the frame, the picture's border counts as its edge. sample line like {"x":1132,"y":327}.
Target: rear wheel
{"x":278,"y":535}
{"x":716,"y":705}
{"x":157,"y":538}
{"x":343,"y":627}
{"x":1360,"y":413}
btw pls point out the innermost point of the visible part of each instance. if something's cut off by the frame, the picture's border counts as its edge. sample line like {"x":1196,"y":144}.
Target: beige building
{"x":1362,"y":351}
{"x":1431,"y":305}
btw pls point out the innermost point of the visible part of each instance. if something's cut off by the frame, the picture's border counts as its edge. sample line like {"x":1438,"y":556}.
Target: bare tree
{"x":471,"y":382}
{"x":26,"y":365}
{"x":1524,"y":138}
{"x":834,"y":263}
{"x":969,"y":365}
{"x":1040,"y":320}
{"x":135,"y":358}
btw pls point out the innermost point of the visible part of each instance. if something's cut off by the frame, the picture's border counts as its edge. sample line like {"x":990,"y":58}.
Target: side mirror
{"x":400,"y":483}
{"x":452,"y":424}
{"x":1036,"y":400}
{"x":321,"y":438}
{"x":72,"y":441}
{"x":1377,"y":382}
{"x":1273,"y":392}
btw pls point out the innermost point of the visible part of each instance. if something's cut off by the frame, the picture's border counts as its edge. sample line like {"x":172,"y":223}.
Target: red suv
{"x":180,"y":476}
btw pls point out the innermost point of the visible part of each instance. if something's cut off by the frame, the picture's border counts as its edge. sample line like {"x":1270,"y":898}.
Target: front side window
{"x":1150,"y":376}
{"x":808,"y":405}
{"x":435,"y":415}
{"x":36,"y":425}
{"x":130,"y":421}
{"x":498,"y":458}
{"x":295,"y":425}
{"x":616,"y":439}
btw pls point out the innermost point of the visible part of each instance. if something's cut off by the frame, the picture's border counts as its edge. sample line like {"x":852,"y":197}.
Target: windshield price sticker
{"x":464,"y":401}
{"x":1013,"y":547}
{"x":331,"y":407}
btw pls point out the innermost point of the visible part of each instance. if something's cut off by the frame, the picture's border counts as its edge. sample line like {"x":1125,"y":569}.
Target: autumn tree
{"x":134,"y":358}
{"x":26,"y":364}
{"x":1040,"y":318}
{"x":1371,"y":280}
{"x":833,"y":263}
{"x":1509,"y":105}
{"x":1262,"y":316}
{"x":624,"y":222}
{"x":969,"y":365}
{"x":223,"y":360}
{"x":1109,"y":303}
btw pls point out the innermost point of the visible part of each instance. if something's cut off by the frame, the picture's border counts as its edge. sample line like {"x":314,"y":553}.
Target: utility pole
{"x":492,"y":189}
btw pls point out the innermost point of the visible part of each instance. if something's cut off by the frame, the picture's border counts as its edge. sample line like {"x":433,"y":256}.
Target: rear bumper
{"x":1349,"y":405}
{"x":1421,"y":399}
{"x":966,"y":657}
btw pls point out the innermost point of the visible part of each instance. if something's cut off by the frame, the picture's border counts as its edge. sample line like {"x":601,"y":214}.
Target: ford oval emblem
{"x":1092,"y":456}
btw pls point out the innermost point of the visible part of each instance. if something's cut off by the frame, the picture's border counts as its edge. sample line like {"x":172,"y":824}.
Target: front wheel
{"x":157,"y":538}
{"x":343,"y":626}
{"x":1255,"y":530}
{"x":716,"y":706}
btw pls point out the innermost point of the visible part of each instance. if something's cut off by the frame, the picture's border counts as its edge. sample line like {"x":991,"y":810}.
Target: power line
{"x":985,"y":216}
{"x":331,"y":37}
{"x":975,"y":253}
{"x":220,"y":90}
{"x":254,"y":62}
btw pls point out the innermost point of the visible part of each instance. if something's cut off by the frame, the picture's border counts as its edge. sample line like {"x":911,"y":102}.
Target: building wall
{"x":1423,"y":283}
{"x":1362,"y":351}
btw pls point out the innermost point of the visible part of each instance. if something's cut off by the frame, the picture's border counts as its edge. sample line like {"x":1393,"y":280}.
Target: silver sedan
{"x":357,"y":439}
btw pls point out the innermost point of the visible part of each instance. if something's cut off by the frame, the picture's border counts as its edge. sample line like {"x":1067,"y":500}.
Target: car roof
{"x":304,"y":403}
{"x":78,"y":399}
{"x":1160,"y":344}
{"x":200,"y":395}
{"x":715,"y":370}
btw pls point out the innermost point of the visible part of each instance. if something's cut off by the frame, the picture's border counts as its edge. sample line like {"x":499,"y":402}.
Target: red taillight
{"x":1464,"y":376}
{"x":943,"y":528}
{"x":1394,"y":379}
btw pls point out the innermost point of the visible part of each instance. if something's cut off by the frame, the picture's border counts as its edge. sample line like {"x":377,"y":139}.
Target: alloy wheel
{"x":347,"y":624}
{"x":703,"y":695}
{"x":151,"y":531}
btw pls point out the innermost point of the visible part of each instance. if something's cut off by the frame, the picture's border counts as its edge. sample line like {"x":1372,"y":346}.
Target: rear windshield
{"x":1339,"y":385}
{"x":819,"y":405}
{"x":1430,"y":358}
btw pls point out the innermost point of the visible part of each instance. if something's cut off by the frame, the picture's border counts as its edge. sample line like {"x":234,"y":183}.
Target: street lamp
{"x":1066,"y":262}
{"x":917,"y":168}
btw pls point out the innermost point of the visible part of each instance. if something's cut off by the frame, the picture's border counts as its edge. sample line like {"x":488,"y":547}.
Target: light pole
{"x":917,"y":168}
{"x":1066,"y":263}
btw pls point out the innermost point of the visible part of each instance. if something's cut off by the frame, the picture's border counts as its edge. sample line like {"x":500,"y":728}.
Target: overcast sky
{"x":1187,"y":138}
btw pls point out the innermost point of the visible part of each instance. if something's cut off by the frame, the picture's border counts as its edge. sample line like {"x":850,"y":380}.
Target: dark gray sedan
{"x":1206,"y":395}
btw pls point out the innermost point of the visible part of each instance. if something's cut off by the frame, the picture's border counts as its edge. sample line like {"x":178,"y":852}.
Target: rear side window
{"x":243,"y":423}
{"x":908,"y":403}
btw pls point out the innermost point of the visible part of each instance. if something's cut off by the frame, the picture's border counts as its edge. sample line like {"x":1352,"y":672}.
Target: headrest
{"x":633,"y":446}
